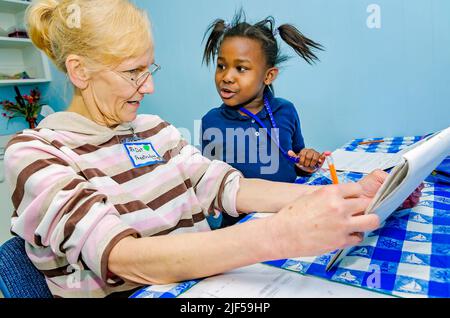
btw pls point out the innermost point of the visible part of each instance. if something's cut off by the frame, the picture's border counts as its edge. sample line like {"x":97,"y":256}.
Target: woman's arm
{"x":313,"y":224}
{"x":173,"y":258}
{"x":268,"y":196}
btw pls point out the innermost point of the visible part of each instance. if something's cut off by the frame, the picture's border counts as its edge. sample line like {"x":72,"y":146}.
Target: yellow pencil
{"x":368,"y":142}
{"x":331,"y":166}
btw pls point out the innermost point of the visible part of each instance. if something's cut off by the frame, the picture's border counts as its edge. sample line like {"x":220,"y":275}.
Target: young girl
{"x":247,"y":60}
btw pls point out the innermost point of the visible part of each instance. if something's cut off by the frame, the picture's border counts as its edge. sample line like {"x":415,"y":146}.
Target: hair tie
{"x":226,"y":25}
{"x":275,"y":32}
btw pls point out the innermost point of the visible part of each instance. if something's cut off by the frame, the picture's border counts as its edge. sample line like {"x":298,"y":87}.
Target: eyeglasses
{"x":138,"y":80}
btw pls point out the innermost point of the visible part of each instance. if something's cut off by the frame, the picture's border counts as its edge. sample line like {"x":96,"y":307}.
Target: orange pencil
{"x":331,"y":166}
{"x":370,"y":142}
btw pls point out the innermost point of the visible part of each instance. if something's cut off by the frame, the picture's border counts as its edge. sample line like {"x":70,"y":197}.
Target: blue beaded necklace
{"x":275,"y":139}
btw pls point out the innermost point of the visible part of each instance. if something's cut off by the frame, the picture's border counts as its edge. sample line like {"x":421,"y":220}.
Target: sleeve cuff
{"x":229,"y":194}
{"x":101,"y":241}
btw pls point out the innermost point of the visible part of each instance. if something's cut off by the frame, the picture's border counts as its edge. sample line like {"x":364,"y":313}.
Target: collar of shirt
{"x":233,"y":112}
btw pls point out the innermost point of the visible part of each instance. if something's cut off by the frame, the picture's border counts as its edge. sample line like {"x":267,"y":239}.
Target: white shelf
{"x":24,"y":81}
{"x":9,"y":39}
{"x":7,"y":42}
{"x":13,"y":6}
{"x":19,"y":55}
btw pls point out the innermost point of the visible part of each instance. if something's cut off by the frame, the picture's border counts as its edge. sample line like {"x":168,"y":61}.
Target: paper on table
{"x":364,"y":162}
{"x":263,"y":281}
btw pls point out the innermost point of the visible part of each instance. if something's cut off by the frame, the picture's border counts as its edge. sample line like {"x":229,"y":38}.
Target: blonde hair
{"x":107,"y":33}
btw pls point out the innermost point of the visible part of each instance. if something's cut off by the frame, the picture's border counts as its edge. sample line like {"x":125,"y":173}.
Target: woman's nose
{"x":147,"y":87}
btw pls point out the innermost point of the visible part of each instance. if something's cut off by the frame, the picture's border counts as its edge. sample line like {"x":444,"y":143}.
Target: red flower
{"x":29,"y":99}
{"x":29,"y":111}
{"x":35,"y":94}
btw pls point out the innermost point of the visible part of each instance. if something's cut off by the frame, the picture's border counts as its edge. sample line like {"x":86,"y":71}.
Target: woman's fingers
{"x":356,"y":206}
{"x":355,"y":239}
{"x":349,"y":190}
{"x":364,"y":223}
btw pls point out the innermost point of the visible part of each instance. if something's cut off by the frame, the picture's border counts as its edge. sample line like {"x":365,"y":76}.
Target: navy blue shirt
{"x":258,"y":152}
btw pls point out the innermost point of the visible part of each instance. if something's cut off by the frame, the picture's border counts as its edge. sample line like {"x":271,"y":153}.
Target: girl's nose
{"x":228,"y":77}
{"x":147,"y":87}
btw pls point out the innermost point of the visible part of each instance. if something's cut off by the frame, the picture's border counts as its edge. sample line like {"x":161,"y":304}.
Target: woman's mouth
{"x":134,"y":103}
{"x":226,"y":93}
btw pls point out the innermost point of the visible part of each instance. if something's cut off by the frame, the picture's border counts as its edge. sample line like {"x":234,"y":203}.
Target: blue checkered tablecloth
{"x":409,"y":256}
{"x":164,"y":291}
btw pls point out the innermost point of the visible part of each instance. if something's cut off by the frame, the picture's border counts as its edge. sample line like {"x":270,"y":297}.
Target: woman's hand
{"x":372,"y":182}
{"x":310,"y":160}
{"x":328,"y":219}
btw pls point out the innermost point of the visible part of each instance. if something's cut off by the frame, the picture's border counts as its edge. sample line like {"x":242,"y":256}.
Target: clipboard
{"x":418,"y":161}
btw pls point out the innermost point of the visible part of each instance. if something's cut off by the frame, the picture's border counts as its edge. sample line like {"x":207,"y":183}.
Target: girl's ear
{"x":271,"y":75}
{"x":77,"y":72}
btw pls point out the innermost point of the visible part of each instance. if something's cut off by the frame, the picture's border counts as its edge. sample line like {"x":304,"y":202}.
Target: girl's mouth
{"x":226,"y":93}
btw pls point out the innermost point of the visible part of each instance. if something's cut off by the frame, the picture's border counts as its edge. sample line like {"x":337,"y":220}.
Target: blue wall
{"x":370,"y":82}
{"x":57,"y":94}
{"x":388,"y":81}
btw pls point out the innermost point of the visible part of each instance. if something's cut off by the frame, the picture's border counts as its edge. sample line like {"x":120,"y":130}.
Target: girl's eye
{"x":220,"y":67}
{"x":241,"y":69}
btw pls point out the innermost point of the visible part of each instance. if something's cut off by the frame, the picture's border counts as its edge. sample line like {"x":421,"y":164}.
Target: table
{"x":261,"y":281}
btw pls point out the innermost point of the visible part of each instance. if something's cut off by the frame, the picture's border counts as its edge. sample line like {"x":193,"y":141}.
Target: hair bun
{"x":110,"y":34}
{"x":39,"y":18}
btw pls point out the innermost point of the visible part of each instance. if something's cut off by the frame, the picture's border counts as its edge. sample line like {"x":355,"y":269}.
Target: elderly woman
{"x":118,"y":200}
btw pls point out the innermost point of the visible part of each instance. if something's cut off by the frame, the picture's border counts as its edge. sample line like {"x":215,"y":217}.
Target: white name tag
{"x":142,"y":154}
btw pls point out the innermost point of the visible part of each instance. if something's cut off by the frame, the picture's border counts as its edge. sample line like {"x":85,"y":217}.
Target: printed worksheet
{"x":364,"y":162}
{"x":263,"y":281}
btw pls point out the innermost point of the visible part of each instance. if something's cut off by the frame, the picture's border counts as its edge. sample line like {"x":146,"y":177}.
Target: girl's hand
{"x":310,"y":160}
{"x":413,"y":198}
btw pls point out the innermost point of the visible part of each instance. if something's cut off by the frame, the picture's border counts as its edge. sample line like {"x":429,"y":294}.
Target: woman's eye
{"x":133,"y":71}
{"x":132,"y":74}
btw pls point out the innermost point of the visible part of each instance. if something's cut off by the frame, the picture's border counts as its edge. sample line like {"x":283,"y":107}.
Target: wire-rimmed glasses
{"x":138,"y":80}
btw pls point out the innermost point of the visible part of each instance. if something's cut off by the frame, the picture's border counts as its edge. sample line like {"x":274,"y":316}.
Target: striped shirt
{"x":76,"y":193}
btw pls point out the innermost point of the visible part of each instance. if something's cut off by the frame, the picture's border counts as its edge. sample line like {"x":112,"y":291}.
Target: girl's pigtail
{"x":300,"y":43}
{"x":216,"y":30}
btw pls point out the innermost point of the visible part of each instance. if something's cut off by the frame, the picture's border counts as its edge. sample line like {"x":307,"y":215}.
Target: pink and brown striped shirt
{"x":76,"y":194}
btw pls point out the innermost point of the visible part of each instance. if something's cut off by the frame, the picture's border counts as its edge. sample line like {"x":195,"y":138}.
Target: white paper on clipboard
{"x":364,"y":162}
